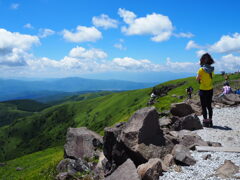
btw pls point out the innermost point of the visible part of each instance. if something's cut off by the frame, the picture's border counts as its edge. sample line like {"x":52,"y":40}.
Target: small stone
{"x":19,"y":169}
{"x":2,"y":164}
{"x":206,"y":156}
{"x":177,"y":168}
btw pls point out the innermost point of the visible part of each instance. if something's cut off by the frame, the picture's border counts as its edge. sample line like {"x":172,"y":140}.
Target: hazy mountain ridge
{"x":18,"y":89}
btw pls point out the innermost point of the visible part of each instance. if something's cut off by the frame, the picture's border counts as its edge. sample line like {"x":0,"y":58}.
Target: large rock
{"x":124,"y":172}
{"x":139,"y":139}
{"x":191,"y":141}
{"x":190,"y":122}
{"x":228,"y":99}
{"x":143,"y":136}
{"x":150,"y":170}
{"x":181,"y":109}
{"x":182,"y":155}
{"x":114,"y":150}
{"x":196,"y":106}
{"x":81,"y":143}
{"x":72,"y":166}
{"x":227,"y":170}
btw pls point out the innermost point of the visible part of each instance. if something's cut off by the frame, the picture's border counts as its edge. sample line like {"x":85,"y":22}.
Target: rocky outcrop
{"x":81,"y":143}
{"x":126,"y":171}
{"x":140,"y":139}
{"x":190,"y":122}
{"x":150,"y":170}
{"x":228,"y":99}
{"x":181,"y":109}
{"x":80,"y":151}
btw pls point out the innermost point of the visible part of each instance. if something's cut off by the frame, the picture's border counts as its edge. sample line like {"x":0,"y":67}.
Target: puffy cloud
{"x":82,"y":34}
{"x":184,"y":35}
{"x":158,"y":25}
{"x":128,"y":16}
{"x":104,"y":21}
{"x":227,"y":44}
{"x":28,"y":26}
{"x":14,"y":47}
{"x":14,"y":6}
{"x":9,"y":40}
{"x":45,"y":33}
{"x":180,"y":66}
{"x":192,"y":45}
{"x":200,"y":53}
{"x":82,"y":53}
{"x":228,"y":63}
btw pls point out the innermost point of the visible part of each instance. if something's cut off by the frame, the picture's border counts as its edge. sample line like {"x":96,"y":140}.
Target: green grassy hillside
{"x":15,"y":109}
{"x":48,"y":127}
{"x":37,"y":166}
{"x":9,"y":113}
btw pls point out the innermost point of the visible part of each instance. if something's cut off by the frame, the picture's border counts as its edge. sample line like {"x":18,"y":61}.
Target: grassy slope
{"x":94,"y":113}
{"x":36,"y":166}
{"x":9,"y":112}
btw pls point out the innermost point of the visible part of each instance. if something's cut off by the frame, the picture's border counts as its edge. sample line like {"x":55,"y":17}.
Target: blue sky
{"x":131,"y":40}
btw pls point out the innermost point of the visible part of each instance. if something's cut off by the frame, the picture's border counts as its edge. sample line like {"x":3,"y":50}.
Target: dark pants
{"x":206,"y":102}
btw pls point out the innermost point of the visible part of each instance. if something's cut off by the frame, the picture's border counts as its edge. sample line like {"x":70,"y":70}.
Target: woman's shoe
{"x":210,"y":123}
{"x":206,"y":123}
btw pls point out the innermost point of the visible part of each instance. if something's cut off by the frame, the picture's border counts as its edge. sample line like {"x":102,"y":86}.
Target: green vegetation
{"x":27,"y":105}
{"x":48,"y":128}
{"x":9,"y":112}
{"x":36,"y":166}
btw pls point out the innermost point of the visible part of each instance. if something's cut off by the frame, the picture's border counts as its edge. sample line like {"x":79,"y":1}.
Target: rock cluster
{"x":82,"y":149}
{"x":141,"y":148}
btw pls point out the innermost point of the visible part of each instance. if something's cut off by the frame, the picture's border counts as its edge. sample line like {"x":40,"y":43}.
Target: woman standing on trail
{"x":204,"y":77}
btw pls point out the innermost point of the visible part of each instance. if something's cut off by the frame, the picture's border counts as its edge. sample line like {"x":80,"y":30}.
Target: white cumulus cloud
{"x":104,"y":21}
{"x":227,"y":44}
{"x":82,"y":53}
{"x":192,"y":45}
{"x":45,"y":32}
{"x":14,"y":47}
{"x":157,"y":25}
{"x":82,"y":34}
{"x":228,"y":63}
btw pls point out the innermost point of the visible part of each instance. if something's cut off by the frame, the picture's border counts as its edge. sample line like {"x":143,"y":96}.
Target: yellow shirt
{"x":205,"y":80}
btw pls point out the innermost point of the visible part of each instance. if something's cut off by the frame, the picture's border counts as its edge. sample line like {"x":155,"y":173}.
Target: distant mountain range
{"x":22,"y":89}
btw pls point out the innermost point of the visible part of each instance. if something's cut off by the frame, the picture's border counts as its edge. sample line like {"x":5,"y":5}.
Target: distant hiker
{"x":226,"y":77}
{"x":204,"y":77}
{"x":153,"y":96}
{"x":226,"y":89}
{"x":189,"y":91}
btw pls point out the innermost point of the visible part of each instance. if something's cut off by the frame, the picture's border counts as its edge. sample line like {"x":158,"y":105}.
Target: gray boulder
{"x":126,"y":171}
{"x":181,"y":109}
{"x":191,"y":141}
{"x":182,"y":155}
{"x":143,"y":137}
{"x":139,"y":139}
{"x":72,"y":166}
{"x":114,"y":150}
{"x":150,"y":170}
{"x":228,"y":99}
{"x":189,"y":122}
{"x":81,"y":143}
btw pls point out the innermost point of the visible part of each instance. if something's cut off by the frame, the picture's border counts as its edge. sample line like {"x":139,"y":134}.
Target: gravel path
{"x":226,"y":130}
